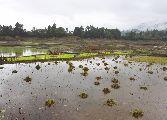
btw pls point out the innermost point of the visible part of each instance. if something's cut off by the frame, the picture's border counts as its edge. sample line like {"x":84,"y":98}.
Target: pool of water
{"x":20,"y":51}
{"x":25,"y":100}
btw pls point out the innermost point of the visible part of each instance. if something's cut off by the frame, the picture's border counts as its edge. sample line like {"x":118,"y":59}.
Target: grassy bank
{"x":62,"y":56}
{"x":150,"y":59}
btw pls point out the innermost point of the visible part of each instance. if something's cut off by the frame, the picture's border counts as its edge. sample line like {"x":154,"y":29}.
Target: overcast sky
{"x":69,"y":13}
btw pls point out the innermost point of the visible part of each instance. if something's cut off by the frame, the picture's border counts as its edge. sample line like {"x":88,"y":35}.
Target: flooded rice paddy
{"x":75,"y":90}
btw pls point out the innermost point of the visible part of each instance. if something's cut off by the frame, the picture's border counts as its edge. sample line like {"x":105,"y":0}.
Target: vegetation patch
{"x":96,"y":83}
{"x":1,"y":67}
{"x":164,"y":68}
{"x":80,"y":66}
{"x":84,"y":74}
{"x":85,"y":69}
{"x":151,"y":59}
{"x":37,"y":67}
{"x":111,"y":102}
{"x":105,"y":64}
{"x":98,"y":78}
{"x":106,"y":90}
{"x":107,"y":68}
{"x":28,"y":79}
{"x":150,"y":72}
{"x":132,"y":78}
{"x":83,"y":95}
{"x":61,"y":56}
{"x":115,"y":86}
{"x":114,"y":80}
{"x":143,"y":88}
{"x":98,"y":64}
{"x":116,"y":72}
{"x":165,"y":78}
{"x":71,"y":67}
{"x":49,"y":102}
{"x":14,"y":71}
{"x":115,"y":67}
{"x":137,"y":113}
{"x":126,"y":65}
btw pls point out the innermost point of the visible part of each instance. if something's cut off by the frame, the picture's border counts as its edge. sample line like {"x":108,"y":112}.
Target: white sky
{"x":70,"y":13}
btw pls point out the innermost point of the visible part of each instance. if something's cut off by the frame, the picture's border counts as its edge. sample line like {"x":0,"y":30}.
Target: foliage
{"x":54,"y":31}
{"x":49,"y":102}
{"x":83,"y":95}
{"x":28,"y":79}
{"x":87,"y":32}
{"x":137,"y":113}
{"x":150,"y":59}
{"x":111,"y":102}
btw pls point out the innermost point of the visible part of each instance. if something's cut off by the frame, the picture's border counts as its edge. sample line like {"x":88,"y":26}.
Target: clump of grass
{"x":115,"y":67}
{"x":96,"y":83}
{"x":165,"y":78}
{"x":106,"y":90}
{"x":150,"y":72}
{"x":111,"y":102}
{"x":116,"y":72}
{"x":80,"y":66}
{"x":98,"y":64}
{"x":83,"y":95}
{"x":85,"y":69}
{"x":37,"y":67}
{"x":132,"y":78}
{"x":164,"y":68}
{"x":2,"y":111}
{"x":114,"y":80}
{"x":1,"y":67}
{"x":115,"y":86}
{"x":14,"y":71}
{"x":107,"y":68}
{"x":126,"y":65}
{"x":151,"y":59}
{"x":105,"y":64}
{"x":143,"y":88}
{"x":84,"y":73}
{"x":150,"y":64}
{"x":98,"y":78}
{"x":28,"y":79}
{"x":71,"y":67}
{"x":137,"y":113}
{"x":49,"y":102}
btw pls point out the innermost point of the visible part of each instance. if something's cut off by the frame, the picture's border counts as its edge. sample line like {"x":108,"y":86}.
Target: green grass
{"x":64,"y":56}
{"x":47,"y":56}
{"x":150,"y":59}
{"x":118,"y":53}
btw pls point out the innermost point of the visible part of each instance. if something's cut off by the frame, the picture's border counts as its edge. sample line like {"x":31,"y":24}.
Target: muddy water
{"x":22,"y":100}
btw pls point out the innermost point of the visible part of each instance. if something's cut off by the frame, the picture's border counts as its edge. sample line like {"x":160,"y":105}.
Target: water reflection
{"x":20,"y":51}
{"x":28,"y":52}
{"x":55,"y":82}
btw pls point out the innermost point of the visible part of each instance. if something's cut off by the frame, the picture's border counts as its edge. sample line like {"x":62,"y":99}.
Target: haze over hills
{"x":154,"y":25}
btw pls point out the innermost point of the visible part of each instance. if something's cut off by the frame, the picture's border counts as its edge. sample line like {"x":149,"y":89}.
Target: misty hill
{"x":154,"y":25}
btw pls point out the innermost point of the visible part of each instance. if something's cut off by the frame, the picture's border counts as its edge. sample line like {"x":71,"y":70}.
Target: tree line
{"x":88,"y":32}
{"x":145,"y":35}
